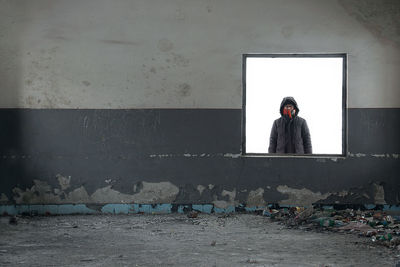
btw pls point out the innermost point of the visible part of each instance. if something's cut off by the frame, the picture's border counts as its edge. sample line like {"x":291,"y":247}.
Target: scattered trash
{"x":305,"y":214}
{"x":213,"y":243}
{"x":251,"y":261}
{"x":193,"y":214}
{"x":381,"y":228}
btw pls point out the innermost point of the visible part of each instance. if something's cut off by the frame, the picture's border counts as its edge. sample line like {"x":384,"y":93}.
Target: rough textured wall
{"x":75,"y":75}
{"x":184,"y":54}
{"x":186,"y":156}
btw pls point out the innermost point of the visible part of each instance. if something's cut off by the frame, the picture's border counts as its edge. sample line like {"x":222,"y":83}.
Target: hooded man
{"x":290,"y":133}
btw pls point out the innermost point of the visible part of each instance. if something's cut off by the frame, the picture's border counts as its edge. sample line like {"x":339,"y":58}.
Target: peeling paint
{"x":161,"y":155}
{"x":379,"y":194}
{"x":78,"y":195}
{"x":189,"y":155}
{"x":223,"y":204}
{"x":64,"y":181}
{"x":162,"y":192}
{"x":302,"y":197}
{"x":378,"y":155}
{"x":3,"y":198}
{"x":42,"y":193}
{"x":358,"y":155}
{"x":201,"y":188}
{"x":342,"y":193}
{"x":256,"y":198}
{"x":109,"y":195}
{"x":366,"y":195}
{"x":230,"y":155}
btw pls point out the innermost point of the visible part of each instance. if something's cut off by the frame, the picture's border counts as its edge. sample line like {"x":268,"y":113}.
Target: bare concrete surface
{"x":176,"y":240}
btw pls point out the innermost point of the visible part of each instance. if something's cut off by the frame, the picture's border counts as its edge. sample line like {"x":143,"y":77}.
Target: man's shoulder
{"x":300,"y":119}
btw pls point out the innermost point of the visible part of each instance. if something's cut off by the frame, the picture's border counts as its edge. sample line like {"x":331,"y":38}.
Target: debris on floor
{"x":13,"y":220}
{"x":380,"y":227}
{"x":192,"y":214}
{"x":240,"y":239}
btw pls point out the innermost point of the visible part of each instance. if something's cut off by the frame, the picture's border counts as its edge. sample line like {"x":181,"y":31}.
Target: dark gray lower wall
{"x":187,"y":156}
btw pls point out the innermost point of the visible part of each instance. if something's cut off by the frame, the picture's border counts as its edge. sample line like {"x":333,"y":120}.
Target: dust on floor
{"x":176,"y":240}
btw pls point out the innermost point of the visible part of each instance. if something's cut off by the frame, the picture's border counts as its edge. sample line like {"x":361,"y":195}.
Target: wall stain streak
{"x":381,"y":18}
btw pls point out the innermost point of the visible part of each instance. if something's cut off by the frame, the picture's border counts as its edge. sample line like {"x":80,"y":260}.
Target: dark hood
{"x":287,"y":100}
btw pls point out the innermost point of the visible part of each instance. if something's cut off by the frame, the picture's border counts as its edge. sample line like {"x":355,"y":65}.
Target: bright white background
{"x":315,"y":84}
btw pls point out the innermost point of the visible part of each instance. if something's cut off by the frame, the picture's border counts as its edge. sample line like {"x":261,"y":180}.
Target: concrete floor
{"x":175,"y":240}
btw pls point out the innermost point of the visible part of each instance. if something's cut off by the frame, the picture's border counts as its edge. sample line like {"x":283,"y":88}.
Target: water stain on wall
{"x":184,"y":90}
{"x":180,"y":60}
{"x":85,"y":83}
{"x":165,"y":45}
{"x":119,"y":42}
{"x":381,"y":18}
{"x":287,"y":31}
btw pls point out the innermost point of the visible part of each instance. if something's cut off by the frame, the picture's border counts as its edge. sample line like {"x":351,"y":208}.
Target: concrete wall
{"x":140,"y":101}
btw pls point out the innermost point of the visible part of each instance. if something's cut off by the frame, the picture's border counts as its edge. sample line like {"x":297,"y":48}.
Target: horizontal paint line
{"x":105,"y":108}
{"x":68,"y":209}
{"x":163,"y":108}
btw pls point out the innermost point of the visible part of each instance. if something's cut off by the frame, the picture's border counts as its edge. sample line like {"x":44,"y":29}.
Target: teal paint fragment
{"x":65,"y":209}
{"x":163,"y":208}
{"x":116,"y":208}
{"x":8,"y":209}
{"x":145,"y":208}
{"x":254,"y":208}
{"x":229,"y":209}
{"x":182,"y":207}
{"x":391,"y":207}
{"x":206,"y":208}
{"x":75,"y":209}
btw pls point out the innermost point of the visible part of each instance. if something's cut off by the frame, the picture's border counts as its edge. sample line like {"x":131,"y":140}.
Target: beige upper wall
{"x":184,"y":53}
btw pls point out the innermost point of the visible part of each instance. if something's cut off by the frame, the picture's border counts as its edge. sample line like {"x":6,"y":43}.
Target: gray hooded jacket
{"x":299,"y":134}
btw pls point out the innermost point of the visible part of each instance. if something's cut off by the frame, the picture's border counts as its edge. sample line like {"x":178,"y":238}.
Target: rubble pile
{"x":380,"y":227}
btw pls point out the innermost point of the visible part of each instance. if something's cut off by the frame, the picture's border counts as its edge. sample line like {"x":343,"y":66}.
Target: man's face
{"x":289,"y":107}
